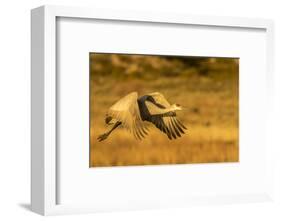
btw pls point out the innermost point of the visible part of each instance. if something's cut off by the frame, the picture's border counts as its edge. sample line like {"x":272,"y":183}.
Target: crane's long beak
{"x":184,"y":109}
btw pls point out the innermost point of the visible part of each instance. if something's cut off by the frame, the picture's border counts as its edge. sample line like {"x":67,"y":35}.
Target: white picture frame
{"x":44,"y":87}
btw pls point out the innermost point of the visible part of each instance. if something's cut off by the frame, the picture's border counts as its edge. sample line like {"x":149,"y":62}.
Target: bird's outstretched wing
{"x":126,"y":110}
{"x":169,"y":124}
{"x":163,"y":117}
{"x":159,"y":99}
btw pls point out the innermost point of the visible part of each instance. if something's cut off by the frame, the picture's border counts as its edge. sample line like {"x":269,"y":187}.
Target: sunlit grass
{"x":211,"y":119}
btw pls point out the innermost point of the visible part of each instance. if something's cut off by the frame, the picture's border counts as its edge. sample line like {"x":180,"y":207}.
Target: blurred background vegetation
{"x":208,"y":87}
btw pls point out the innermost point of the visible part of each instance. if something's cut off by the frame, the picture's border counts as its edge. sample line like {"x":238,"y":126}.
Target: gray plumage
{"x":131,"y":112}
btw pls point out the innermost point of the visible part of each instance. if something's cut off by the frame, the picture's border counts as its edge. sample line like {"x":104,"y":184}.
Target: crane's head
{"x":177,"y":106}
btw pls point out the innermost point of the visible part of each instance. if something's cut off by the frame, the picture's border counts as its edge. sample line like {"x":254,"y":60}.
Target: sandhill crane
{"x":131,"y":112}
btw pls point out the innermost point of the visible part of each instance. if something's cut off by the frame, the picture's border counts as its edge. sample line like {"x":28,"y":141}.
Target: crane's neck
{"x":174,"y":107}
{"x":166,"y":110}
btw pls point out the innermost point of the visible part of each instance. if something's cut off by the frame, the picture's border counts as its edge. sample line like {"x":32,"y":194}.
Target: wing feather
{"x":168,"y":125}
{"x":126,"y":110}
{"x":178,"y":126}
{"x":175,"y":128}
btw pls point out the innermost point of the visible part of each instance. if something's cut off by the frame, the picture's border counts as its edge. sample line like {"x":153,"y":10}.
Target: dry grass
{"x":212,"y":121}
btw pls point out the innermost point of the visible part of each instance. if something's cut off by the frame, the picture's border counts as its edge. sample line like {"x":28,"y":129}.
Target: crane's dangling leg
{"x":105,"y":135}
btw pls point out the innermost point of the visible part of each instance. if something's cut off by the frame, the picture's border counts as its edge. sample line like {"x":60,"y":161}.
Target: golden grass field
{"x":211,"y":99}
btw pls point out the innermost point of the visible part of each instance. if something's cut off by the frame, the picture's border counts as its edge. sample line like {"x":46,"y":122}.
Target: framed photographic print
{"x":136,"y":110}
{"x":205,"y":95}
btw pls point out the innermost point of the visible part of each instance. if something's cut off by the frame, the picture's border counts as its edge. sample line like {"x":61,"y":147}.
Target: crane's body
{"x":131,"y":112}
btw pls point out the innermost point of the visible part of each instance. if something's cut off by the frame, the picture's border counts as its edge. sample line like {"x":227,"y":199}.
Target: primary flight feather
{"x":131,"y":112}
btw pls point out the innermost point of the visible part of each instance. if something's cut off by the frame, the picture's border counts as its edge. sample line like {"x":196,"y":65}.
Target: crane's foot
{"x":102,"y":137}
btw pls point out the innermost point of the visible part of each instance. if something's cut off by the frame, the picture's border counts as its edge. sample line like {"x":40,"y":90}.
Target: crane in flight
{"x":131,"y":112}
